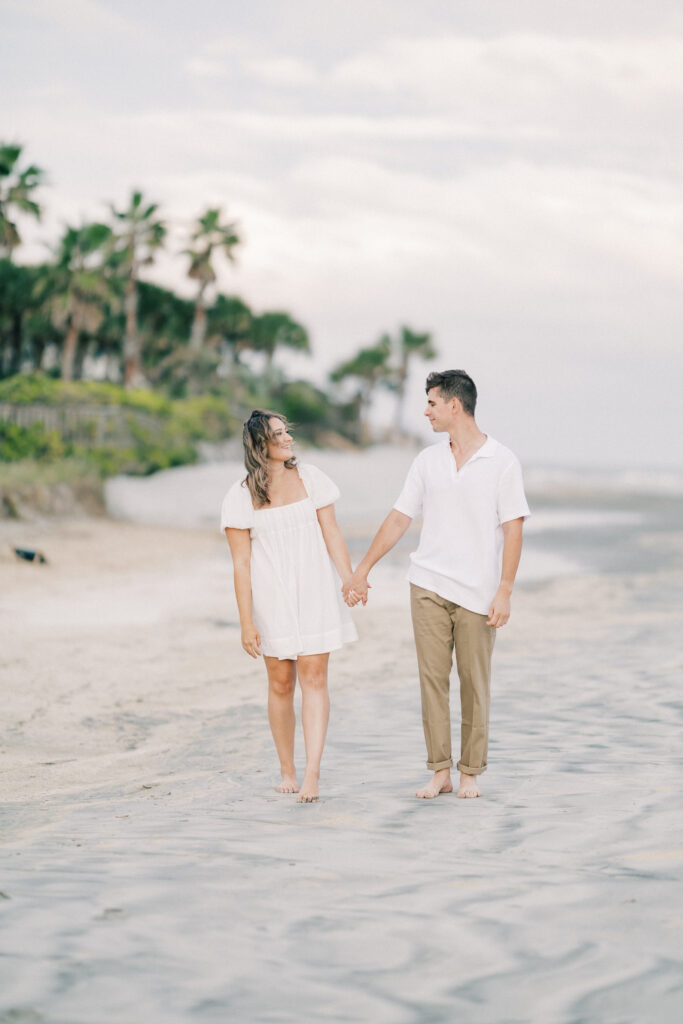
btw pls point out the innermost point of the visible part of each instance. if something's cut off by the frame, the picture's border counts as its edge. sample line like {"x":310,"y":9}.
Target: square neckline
{"x":287,"y":504}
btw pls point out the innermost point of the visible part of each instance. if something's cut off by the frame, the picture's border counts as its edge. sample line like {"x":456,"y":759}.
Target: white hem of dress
{"x":290,"y":648}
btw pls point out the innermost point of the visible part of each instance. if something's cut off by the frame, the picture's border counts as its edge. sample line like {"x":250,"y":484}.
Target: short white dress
{"x":297,"y":603}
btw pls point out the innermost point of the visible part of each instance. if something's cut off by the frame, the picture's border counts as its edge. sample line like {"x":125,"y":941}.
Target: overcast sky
{"x":504,"y":174}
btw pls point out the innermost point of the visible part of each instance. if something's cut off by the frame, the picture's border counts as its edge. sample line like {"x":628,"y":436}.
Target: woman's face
{"x":280,"y":447}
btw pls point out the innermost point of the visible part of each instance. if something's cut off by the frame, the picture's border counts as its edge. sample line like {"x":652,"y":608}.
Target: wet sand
{"x":150,"y":872}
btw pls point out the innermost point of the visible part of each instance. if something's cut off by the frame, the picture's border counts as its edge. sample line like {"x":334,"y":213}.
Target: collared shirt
{"x":461,"y":543}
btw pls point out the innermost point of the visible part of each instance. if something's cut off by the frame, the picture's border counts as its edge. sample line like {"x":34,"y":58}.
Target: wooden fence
{"x":88,"y":425}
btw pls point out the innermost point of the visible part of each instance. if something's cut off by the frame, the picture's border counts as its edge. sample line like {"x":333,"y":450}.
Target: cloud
{"x":81,"y":15}
{"x":202,"y":67}
{"x":544,"y":241}
{"x":581,"y":100}
{"x":302,"y":127}
{"x":447,"y":70}
{"x":225,"y":56}
{"x":282,"y":71}
{"x":568,"y":91}
{"x":353,"y":243}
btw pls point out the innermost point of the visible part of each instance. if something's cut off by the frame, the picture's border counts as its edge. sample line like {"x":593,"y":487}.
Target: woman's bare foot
{"x":308,"y":793}
{"x":288,"y":784}
{"x":468,"y":787}
{"x":439,"y":783}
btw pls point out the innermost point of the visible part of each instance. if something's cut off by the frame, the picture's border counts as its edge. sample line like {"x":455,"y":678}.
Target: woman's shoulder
{"x":321,"y":489}
{"x":237,"y":509}
{"x":310,"y":471}
{"x":240,"y":484}
{"x":238,"y":489}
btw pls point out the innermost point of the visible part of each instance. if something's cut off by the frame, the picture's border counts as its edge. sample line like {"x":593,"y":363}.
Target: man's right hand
{"x":355,"y":589}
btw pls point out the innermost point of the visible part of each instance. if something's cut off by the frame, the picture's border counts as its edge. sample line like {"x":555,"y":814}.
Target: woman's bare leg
{"x":281,"y":684}
{"x":315,"y":713}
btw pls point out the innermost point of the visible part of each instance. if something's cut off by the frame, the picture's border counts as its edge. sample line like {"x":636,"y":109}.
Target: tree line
{"x":89,"y":306}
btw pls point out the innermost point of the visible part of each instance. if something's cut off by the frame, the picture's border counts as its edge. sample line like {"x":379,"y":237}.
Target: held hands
{"x":251,"y":640}
{"x":354,"y":589}
{"x":499,"y":612}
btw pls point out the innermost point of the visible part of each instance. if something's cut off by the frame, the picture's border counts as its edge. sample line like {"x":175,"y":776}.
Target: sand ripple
{"x":150,"y":871}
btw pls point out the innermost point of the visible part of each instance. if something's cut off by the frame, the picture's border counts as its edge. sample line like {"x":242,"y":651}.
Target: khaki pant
{"x":440,"y":626}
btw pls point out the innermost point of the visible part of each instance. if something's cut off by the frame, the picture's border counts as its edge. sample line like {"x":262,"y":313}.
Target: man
{"x":470,"y":494}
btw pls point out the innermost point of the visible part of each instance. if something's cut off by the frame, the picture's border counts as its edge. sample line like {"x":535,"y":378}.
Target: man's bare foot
{"x":440,"y":783}
{"x":308,"y":793}
{"x":288,"y":784}
{"x":468,"y":787}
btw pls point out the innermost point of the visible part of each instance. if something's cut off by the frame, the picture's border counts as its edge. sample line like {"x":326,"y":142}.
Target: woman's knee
{"x":313,"y":679}
{"x":282,"y":685}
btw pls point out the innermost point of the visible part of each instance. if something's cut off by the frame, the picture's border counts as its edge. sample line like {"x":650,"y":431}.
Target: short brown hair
{"x":455,"y":384}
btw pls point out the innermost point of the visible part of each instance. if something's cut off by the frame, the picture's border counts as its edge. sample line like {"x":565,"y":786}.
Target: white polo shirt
{"x":461,"y":543}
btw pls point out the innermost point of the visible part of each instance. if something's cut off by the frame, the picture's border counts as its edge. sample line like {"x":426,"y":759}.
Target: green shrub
{"x":205,"y":418}
{"x":41,"y":389}
{"x":34,"y":442}
{"x":27,"y":389}
{"x":160,"y":449}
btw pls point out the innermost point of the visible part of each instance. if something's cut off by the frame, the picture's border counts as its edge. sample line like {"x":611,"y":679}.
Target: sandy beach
{"x":150,"y":872}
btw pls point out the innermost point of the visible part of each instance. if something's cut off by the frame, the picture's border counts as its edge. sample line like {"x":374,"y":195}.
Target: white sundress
{"x":297,"y":603}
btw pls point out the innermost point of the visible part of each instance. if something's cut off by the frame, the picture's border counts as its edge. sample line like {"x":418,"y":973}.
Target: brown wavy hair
{"x":256,"y":434}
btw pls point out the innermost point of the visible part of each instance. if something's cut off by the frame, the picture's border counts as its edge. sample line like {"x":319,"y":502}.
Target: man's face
{"x":439,"y":412}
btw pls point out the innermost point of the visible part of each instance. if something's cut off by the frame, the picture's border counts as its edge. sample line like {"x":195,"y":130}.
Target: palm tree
{"x":273,"y":329}
{"x":409,"y":344}
{"x":142,"y":233}
{"x":81,"y":287}
{"x":210,"y":235}
{"x":16,"y":189}
{"x":230,"y":326}
{"x":24,"y":329}
{"x":370,"y":367}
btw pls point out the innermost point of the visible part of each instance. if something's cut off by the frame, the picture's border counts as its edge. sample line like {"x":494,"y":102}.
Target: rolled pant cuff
{"x":438,"y":766}
{"x":470,"y":771}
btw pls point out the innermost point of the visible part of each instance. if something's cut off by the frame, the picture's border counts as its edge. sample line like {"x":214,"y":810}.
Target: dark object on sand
{"x":30,"y":556}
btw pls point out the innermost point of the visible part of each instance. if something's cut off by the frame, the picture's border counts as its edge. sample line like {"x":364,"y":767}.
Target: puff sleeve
{"x":237,"y":510}
{"x":320,"y":489}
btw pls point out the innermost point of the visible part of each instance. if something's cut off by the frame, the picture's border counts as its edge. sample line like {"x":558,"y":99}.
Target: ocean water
{"x":612,"y":524}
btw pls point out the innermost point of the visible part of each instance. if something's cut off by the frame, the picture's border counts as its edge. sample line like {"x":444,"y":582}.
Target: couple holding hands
{"x":286,"y":545}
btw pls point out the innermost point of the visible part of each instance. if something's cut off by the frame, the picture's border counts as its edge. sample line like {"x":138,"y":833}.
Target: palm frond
{"x":9,"y":154}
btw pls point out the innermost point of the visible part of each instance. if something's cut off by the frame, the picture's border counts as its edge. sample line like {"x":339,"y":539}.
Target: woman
{"x":284,"y":537}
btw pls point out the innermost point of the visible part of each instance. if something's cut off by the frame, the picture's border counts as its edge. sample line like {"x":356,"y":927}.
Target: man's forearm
{"x":389,"y":533}
{"x":512,"y":552}
{"x":499,"y":612}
